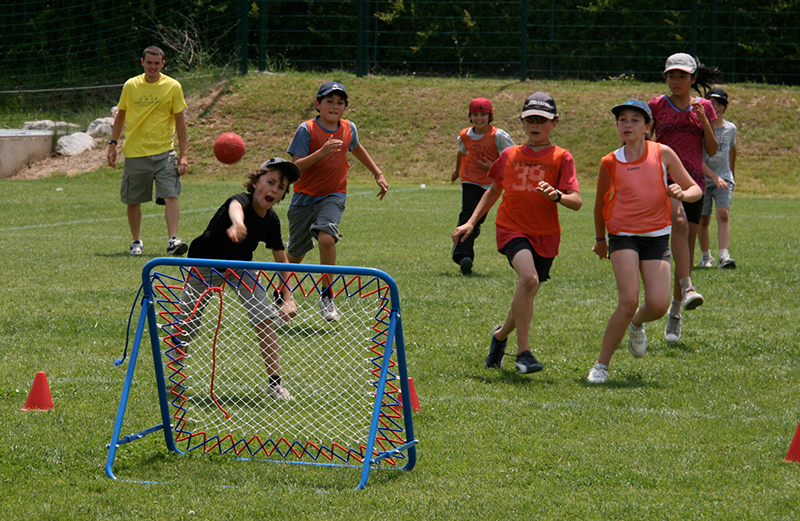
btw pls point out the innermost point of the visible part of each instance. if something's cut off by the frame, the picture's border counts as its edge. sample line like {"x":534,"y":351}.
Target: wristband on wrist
{"x":560,"y":193}
{"x":112,"y":141}
{"x":600,"y":239}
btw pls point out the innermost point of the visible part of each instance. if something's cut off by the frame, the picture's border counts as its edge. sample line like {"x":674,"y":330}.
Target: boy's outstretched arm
{"x":362,"y":155}
{"x":490,"y":197}
{"x":289,"y":307}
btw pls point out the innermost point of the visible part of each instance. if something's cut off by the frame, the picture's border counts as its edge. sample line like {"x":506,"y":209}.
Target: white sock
{"x":724,"y":253}
{"x":707,"y":255}
{"x":686,"y":284}
{"x":675,"y":308}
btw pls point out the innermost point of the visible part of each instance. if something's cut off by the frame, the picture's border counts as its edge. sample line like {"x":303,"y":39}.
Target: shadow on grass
{"x":678,"y":346}
{"x":621,"y":381}
{"x":511,"y":377}
{"x":456,"y":274}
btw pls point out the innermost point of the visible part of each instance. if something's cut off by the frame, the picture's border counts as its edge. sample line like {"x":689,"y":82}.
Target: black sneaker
{"x":497,"y":350}
{"x":176,"y":247}
{"x":526,"y":363}
{"x":466,"y":266}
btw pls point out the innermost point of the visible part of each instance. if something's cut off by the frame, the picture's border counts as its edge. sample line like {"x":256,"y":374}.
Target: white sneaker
{"x":726,"y":263}
{"x":673,"y":330}
{"x":637,"y":340}
{"x":598,"y":374}
{"x":279,"y":392}
{"x":692,"y":299}
{"x":707,"y":262}
{"x":328,"y":309}
{"x":136,"y":248}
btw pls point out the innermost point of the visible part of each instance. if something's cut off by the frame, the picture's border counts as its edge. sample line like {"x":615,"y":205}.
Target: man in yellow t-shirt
{"x":151,"y":110}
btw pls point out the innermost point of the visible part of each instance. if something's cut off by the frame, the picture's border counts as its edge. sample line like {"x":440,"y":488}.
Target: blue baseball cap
{"x":330,"y":87}
{"x":635,"y":104}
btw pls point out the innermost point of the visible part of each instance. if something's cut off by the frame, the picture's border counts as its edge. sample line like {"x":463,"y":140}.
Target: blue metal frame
{"x":148,"y":315}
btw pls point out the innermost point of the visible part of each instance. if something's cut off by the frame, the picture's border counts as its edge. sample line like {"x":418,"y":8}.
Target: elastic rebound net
{"x":217,"y":350}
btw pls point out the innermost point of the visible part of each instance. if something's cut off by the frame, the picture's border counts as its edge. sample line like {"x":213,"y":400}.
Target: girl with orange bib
{"x":633,"y":204}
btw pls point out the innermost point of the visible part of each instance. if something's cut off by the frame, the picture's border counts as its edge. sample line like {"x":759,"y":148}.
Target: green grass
{"x":409,"y":124}
{"x":698,"y":429}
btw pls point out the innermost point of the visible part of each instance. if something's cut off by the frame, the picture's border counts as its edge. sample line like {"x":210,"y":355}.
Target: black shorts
{"x":693,"y":211}
{"x":518,"y":244}
{"x":648,"y":248}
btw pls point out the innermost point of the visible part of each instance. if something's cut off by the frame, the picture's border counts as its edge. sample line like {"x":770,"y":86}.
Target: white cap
{"x":682,"y":62}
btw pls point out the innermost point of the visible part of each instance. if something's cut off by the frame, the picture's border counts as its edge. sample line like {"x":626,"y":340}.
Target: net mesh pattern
{"x":216,"y":365}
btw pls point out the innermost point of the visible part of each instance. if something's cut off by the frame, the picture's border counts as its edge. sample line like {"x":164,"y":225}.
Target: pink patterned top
{"x":682,"y":131}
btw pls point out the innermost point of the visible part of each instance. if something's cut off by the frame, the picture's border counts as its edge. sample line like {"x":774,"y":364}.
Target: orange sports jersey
{"x":479,"y":149}
{"x":636,"y":201}
{"x":523,"y":209}
{"x":329,"y":174}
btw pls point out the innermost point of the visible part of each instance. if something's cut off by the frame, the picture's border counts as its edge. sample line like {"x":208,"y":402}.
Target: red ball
{"x":229,"y":147}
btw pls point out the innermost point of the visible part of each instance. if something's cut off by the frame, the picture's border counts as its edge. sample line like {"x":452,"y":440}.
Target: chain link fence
{"x":72,"y":51}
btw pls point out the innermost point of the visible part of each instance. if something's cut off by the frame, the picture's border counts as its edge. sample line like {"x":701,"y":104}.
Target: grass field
{"x":698,"y":429}
{"x":694,"y":430}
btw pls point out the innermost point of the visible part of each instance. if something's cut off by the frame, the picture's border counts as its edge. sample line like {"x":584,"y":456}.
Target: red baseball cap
{"x":480,"y":105}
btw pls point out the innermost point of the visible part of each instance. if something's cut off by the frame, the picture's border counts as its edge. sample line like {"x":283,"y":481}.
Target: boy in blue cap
{"x":319,"y":148}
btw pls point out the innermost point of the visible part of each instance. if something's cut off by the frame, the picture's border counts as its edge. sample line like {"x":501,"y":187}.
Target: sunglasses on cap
{"x":539,"y":120}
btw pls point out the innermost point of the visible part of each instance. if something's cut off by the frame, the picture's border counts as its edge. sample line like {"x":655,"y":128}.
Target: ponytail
{"x":704,"y":77}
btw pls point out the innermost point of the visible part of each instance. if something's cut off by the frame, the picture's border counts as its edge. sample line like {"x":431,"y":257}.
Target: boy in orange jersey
{"x":319,"y":148}
{"x":478,"y":147}
{"x":534,"y":179}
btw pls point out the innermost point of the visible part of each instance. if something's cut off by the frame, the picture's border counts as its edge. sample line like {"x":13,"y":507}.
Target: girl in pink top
{"x":683,"y":122}
{"x":633,"y":203}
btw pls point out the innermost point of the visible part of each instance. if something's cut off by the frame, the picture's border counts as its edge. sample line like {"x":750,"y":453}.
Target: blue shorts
{"x":542,"y":264}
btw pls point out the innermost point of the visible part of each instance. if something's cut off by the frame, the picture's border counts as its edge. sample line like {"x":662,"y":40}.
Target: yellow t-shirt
{"x":149,"y":115}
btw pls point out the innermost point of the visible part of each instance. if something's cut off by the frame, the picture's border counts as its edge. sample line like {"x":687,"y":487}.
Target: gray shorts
{"x":715,"y":196}
{"x":196,"y":295}
{"x":139,"y":173}
{"x":308,"y":221}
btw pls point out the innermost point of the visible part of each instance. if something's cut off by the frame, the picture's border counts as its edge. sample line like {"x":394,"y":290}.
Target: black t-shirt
{"x":214,"y":243}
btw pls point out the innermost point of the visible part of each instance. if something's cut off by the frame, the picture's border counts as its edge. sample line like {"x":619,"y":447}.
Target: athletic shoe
{"x":497,"y":350}
{"x":637,"y":340}
{"x":177,"y":247}
{"x":692,"y":299}
{"x":598,"y":374}
{"x":466,"y":266}
{"x":707,"y":262}
{"x":673,"y":330}
{"x":328,"y":309}
{"x":279,"y":392}
{"x":136,"y":248}
{"x":526,"y":363}
{"x":726,"y":263}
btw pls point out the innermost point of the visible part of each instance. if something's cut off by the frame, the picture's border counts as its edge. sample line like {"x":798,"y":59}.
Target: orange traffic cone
{"x":39,"y":397}
{"x":413,"y":398}
{"x":794,"y":447}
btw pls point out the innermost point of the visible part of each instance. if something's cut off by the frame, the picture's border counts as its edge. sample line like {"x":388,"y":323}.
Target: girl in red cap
{"x":478,"y":147}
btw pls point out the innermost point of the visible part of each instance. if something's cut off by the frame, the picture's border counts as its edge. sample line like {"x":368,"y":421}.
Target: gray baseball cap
{"x":291,"y":170}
